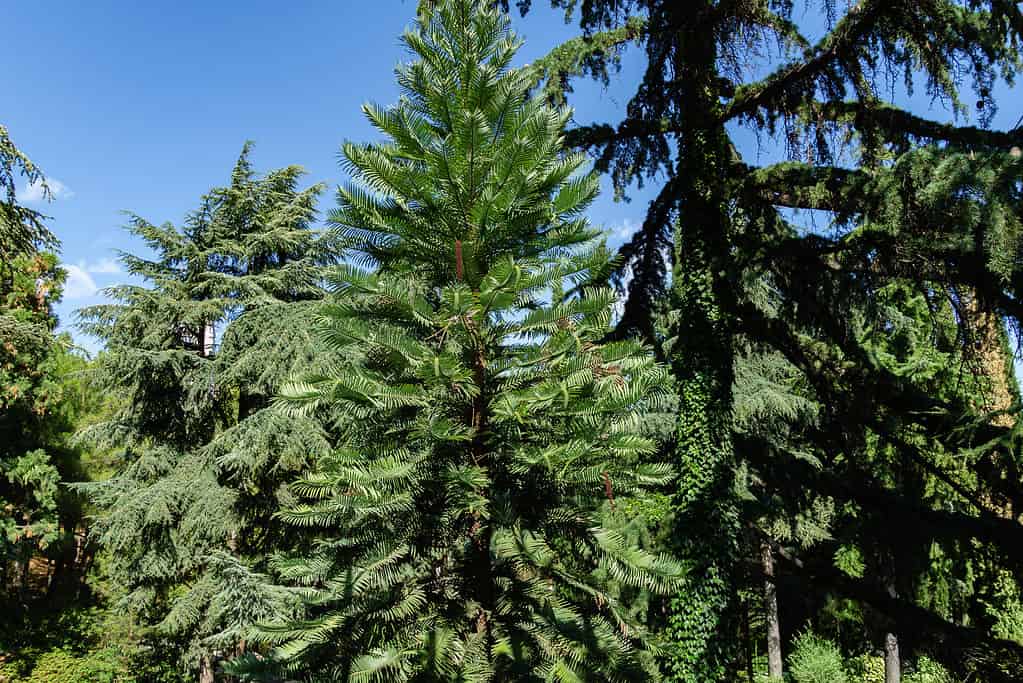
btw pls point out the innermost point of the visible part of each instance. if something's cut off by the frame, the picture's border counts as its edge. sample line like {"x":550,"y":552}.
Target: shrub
{"x":61,"y":666}
{"x":106,"y":665}
{"x":816,"y":660}
{"x":928,"y":671}
{"x":867,"y":669}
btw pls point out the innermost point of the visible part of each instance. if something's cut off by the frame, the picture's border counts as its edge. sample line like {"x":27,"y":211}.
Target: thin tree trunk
{"x":747,"y":640}
{"x":206,"y":669}
{"x":774,"y":659}
{"x":26,"y":567}
{"x":56,"y":579}
{"x":892,"y":663}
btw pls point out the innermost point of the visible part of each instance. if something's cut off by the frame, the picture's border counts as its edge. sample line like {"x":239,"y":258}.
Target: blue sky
{"x":144,"y":106}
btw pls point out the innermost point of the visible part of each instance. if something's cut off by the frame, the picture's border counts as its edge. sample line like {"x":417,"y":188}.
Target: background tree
{"x":44,"y":556}
{"x":22,"y":229}
{"x":187,"y":520}
{"x":33,"y":456}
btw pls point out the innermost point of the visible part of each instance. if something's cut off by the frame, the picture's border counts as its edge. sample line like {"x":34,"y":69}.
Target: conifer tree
{"x":31,"y":460}
{"x":476,"y":520}
{"x":22,"y":230}
{"x":188,"y":520}
{"x":920,"y":202}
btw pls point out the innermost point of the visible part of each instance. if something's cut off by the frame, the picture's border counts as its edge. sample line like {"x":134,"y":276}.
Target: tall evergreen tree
{"x":32,"y":461}
{"x":188,"y":520}
{"x":919,"y":202}
{"x":476,"y":521}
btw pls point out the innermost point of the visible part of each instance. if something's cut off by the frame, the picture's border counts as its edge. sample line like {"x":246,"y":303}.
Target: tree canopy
{"x":451,"y":436}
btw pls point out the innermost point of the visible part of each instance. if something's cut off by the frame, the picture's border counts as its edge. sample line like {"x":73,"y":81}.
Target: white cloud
{"x":624,"y":231}
{"x":80,"y":284}
{"x":105,"y":266}
{"x":33,"y":192}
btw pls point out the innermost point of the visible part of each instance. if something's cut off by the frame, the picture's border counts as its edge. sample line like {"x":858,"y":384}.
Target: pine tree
{"x":187,"y":523}
{"x":475,"y":521}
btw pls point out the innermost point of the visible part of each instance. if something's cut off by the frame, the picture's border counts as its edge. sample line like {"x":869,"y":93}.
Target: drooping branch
{"x":598,"y":134}
{"x":854,"y":483}
{"x":896,"y":124}
{"x":582,"y":55}
{"x":893,"y":123}
{"x":643,"y":269}
{"x":849,"y":31}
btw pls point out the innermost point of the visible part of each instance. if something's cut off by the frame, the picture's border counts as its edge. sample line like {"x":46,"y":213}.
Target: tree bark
{"x":206,"y":669}
{"x":774,"y":659}
{"x":747,"y":642}
{"x":892,"y":663}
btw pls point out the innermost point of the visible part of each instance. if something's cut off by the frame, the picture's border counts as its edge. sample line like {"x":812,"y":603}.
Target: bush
{"x":106,"y":665}
{"x":928,"y":671}
{"x":816,"y":660}
{"x":867,"y":669}
{"x":61,"y":666}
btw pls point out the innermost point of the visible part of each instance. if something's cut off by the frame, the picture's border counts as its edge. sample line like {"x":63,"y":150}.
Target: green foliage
{"x":482,"y":485}
{"x":817,"y":660}
{"x":927,"y":670}
{"x":1005,"y":607}
{"x":849,"y":559}
{"x":187,"y":519}
{"x":473,"y":522}
{"x":901,"y":432}
{"x":866,"y":669}
{"x":60,"y":666}
{"x":40,"y":397}
{"x":81,"y":644}
{"x":22,"y":230}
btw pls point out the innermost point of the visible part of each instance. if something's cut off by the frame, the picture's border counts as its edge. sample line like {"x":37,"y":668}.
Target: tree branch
{"x":597,"y":134}
{"x":896,"y":123}
{"x":805,"y":186}
{"x":850,"y":30}
{"x":580,"y":55}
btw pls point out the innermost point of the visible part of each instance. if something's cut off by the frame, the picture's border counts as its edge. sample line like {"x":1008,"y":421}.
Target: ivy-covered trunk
{"x":707,"y":524}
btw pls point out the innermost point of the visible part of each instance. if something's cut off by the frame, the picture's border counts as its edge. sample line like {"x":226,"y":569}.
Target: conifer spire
{"x":468,"y":528}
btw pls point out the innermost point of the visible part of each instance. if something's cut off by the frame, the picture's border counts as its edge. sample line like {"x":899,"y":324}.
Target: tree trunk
{"x":206,"y":669}
{"x":26,"y":567}
{"x":249,"y":404}
{"x":892,"y":664}
{"x":992,"y":360}
{"x":707,"y":527}
{"x":774,"y":660}
{"x":58,"y":577}
{"x":747,"y":640}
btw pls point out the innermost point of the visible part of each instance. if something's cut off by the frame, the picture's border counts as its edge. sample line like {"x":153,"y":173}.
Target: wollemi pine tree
{"x":476,"y":517}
